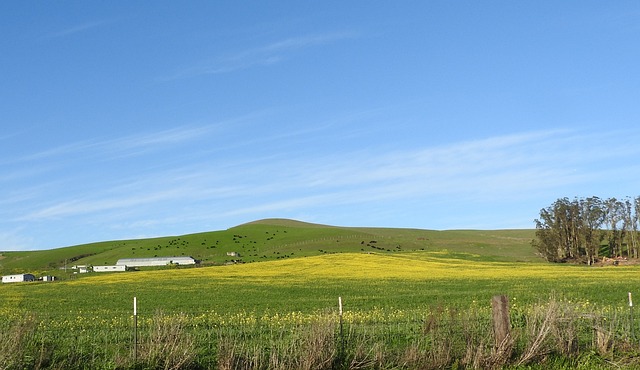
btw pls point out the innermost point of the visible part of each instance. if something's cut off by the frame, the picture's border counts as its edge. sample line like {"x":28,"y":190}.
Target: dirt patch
{"x":619,"y":261}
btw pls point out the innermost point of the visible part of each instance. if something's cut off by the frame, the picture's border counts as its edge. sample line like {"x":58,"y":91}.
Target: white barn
{"x":18,"y":278}
{"x":115,"y":268}
{"x":155,"y":261}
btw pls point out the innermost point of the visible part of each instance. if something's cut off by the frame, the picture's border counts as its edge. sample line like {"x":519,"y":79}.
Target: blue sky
{"x":137,"y":119}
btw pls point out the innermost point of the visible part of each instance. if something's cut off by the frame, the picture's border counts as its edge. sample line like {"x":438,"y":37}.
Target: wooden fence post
{"x":501,"y":322}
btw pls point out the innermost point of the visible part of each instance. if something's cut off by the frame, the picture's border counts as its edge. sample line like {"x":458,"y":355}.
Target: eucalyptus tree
{"x":557,"y":231}
{"x":635,"y":220}
{"x":614,"y":221}
{"x":629,"y":228}
{"x":575,"y":230}
{"x":592,"y":217}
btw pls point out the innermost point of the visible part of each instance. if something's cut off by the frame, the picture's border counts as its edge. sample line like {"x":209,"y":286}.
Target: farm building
{"x":155,"y":261}
{"x":109,"y":268}
{"x":18,"y":278}
{"x":81,"y":269}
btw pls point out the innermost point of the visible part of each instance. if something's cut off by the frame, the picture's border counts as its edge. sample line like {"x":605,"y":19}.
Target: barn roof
{"x":158,"y":260}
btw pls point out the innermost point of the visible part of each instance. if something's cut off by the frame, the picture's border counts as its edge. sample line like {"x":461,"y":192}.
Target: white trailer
{"x":18,"y":278}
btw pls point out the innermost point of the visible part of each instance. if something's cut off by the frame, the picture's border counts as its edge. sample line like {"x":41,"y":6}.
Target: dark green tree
{"x":592,"y":216}
{"x":574,"y":230}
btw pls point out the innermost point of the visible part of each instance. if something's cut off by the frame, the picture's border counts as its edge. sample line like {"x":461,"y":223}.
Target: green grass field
{"x":408,"y":281}
{"x":391,"y":277}
{"x":275,"y":239}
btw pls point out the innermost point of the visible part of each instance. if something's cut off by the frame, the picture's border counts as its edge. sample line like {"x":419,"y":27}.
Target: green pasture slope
{"x":454,"y":268}
{"x":274,"y":239}
{"x":392,"y":282}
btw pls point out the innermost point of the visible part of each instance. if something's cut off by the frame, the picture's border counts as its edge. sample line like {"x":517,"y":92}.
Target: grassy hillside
{"x":408,"y":291}
{"x":275,"y":239}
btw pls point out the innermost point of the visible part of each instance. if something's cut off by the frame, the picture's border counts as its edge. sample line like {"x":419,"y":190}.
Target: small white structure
{"x":155,"y":261}
{"x":81,"y":269}
{"x":48,"y":278}
{"x":233,"y":254}
{"x":109,"y":268}
{"x":18,"y":278}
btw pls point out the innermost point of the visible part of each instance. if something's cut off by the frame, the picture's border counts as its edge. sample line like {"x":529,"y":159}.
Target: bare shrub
{"x":539,"y":325}
{"x":317,"y":347}
{"x":236,"y":354}
{"x":565,"y":329}
{"x":307,"y":346}
{"x":365,"y":351}
{"x":168,"y":346}
{"x":415,"y":356}
{"x":477,"y":336}
{"x":500,"y":354}
{"x":227,"y":353}
{"x":604,"y":340}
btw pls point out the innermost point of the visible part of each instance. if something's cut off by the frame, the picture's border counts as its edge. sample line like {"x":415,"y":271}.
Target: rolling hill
{"x":273,"y":239}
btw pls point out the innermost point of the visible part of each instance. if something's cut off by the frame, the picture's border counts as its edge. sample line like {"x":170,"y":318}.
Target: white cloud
{"x":123,"y":146}
{"x":497,"y":169}
{"x":78,"y":28}
{"x":14,"y":241}
{"x":269,"y":54}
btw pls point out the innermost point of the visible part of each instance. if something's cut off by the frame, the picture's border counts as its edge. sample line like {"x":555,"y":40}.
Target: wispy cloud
{"x":126,"y":145}
{"x":14,"y":240}
{"x":495,"y":169}
{"x":80,"y":207}
{"x":265,"y":55}
{"x":79,"y":28}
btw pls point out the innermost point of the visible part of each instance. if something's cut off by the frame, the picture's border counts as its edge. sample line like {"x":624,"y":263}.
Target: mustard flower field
{"x":410,"y":310}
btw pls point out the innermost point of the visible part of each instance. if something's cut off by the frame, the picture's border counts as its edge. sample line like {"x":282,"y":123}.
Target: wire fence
{"x":331,"y":339}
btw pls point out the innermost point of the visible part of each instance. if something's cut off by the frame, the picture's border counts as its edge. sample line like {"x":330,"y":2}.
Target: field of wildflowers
{"x":412,"y":310}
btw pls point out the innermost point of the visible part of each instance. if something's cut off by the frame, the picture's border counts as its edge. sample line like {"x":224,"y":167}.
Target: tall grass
{"x":411,"y":311}
{"x":553,"y":334}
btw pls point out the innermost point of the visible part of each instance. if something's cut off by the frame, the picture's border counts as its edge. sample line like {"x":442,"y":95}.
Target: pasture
{"x":251,"y":310}
{"x":308,"y":284}
{"x":411,"y":299}
{"x":277,"y":239}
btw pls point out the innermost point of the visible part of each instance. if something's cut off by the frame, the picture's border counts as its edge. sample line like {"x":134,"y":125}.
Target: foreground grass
{"x":409,"y":310}
{"x":557,"y":334}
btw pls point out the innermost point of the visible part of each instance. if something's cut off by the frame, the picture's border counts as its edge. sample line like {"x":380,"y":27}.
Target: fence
{"x":379,"y":338}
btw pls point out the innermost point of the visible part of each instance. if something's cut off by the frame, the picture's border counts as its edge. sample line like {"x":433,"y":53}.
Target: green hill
{"x":273,"y":239}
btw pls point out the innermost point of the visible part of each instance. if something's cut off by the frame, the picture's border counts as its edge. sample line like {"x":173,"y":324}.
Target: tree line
{"x":586,"y":229}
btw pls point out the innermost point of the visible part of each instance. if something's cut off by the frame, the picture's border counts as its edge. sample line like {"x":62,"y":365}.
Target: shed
{"x":155,"y":261}
{"x":113,"y":268}
{"x":18,"y":278}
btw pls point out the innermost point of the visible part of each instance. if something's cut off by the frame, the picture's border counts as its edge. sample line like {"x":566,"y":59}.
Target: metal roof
{"x":157,"y":261}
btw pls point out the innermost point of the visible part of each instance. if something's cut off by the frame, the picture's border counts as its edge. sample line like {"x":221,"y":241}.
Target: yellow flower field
{"x":408,"y":266}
